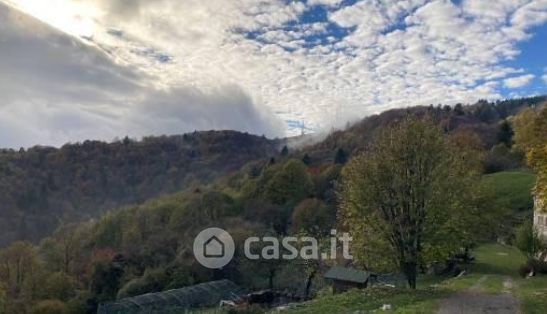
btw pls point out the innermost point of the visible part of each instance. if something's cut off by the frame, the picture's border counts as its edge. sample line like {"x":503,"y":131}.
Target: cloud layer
{"x":56,"y":89}
{"x":171,"y":66}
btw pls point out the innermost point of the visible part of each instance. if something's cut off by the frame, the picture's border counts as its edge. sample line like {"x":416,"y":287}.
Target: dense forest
{"x":42,"y":187}
{"x":162,"y":191}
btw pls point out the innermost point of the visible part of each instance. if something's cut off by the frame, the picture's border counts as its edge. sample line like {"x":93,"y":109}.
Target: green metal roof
{"x":347,"y":274}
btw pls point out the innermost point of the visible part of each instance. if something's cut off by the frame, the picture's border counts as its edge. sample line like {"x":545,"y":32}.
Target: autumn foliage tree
{"x":531,"y":137}
{"x":20,"y":273}
{"x":312,"y":218}
{"x":289,"y":184}
{"x":401,"y":196}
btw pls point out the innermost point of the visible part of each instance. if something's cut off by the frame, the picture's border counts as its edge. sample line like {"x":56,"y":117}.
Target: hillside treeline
{"x":267,"y":190}
{"x":43,"y":186}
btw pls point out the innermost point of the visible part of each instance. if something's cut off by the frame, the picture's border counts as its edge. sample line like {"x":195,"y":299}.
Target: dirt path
{"x":473,"y":301}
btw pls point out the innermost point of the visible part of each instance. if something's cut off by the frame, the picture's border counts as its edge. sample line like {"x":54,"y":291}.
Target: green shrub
{"x":151,"y":281}
{"x":83,"y":302}
{"x":50,"y":307}
{"x":58,"y":286}
{"x":528,"y":239}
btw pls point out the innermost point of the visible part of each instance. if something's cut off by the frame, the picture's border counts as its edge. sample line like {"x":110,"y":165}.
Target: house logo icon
{"x":214,"y":248}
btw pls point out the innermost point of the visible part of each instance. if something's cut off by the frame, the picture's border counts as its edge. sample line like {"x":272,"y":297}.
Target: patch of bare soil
{"x":473,"y":301}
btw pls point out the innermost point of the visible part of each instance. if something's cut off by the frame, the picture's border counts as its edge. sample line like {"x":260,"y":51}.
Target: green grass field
{"x":512,"y":189}
{"x":498,"y":259}
{"x":402,"y":301}
{"x":495,"y":266}
{"x":533,"y":294}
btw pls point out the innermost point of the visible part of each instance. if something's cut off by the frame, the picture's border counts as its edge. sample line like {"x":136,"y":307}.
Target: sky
{"x":72,"y":70}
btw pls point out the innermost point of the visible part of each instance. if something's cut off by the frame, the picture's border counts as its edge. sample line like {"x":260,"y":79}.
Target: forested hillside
{"x":484,"y":119}
{"x":244,"y":184}
{"x":43,"y":186}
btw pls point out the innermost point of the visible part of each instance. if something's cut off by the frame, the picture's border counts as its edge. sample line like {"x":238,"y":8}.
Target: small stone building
{"x":345,"y":278}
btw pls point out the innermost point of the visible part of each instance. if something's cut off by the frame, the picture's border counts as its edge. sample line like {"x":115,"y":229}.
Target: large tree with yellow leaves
{"x":531,"y":136}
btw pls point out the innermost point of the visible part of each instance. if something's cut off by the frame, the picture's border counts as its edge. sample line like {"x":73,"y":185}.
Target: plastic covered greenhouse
{"x":207,"y":294}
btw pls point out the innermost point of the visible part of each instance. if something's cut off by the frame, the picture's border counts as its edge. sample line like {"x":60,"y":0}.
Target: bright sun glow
{"x":77,"y":19}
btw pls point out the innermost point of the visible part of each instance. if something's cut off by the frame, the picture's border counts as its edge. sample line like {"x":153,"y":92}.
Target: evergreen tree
{"x":306,"y":160}
{"x":285,"y":151}
{"x":458,"y":110}
{"x":505,"y":134}
{"x":341,"y":157}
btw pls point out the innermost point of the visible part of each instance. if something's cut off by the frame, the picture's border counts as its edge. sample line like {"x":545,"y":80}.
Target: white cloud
{"x":55,"y":89}
{"x":392,"y":54}
{"x":325,"y":2}
{"x":518,"y":81}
